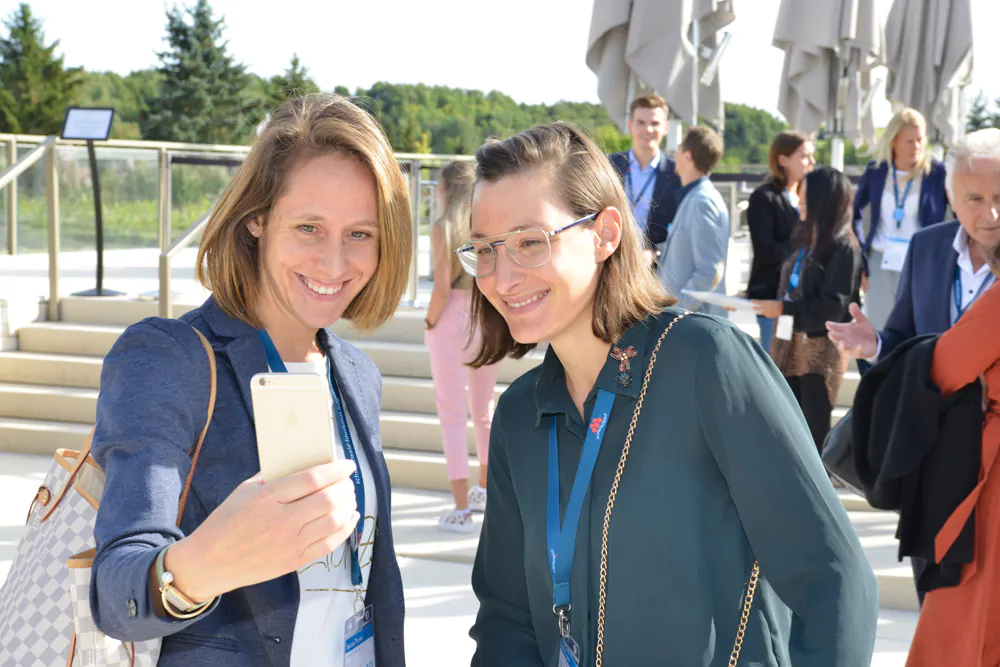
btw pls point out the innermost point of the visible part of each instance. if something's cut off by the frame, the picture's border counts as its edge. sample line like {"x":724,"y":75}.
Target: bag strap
{"x":603,"y":591}
{"x":85,"y":452}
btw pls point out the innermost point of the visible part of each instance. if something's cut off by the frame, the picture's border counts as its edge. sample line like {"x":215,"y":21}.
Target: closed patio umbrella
{"x":651,"y":43}
{"x":929,"y":47}
{"x":830,"y":49}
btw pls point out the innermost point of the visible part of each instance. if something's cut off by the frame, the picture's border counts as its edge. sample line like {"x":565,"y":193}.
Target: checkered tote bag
{"x":45,"y":618}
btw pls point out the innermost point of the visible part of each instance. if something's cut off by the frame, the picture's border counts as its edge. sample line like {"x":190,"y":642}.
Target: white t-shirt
{"x":327,"y":597}
{"x":911,"y":208}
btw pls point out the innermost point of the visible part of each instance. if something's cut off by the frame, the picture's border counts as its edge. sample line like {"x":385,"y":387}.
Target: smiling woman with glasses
{"x":702,"y":529}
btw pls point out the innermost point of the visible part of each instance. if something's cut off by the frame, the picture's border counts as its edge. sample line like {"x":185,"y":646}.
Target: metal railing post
{"x":165,"y":194}
{"x":734,"y":213}
{"x":12,"y":201}
{"x":415,"y":204}
{"x":52,"y":201}
{"x":166,"y":297}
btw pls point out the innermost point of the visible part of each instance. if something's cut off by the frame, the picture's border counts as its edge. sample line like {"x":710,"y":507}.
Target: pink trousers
{"x":455,"y":384}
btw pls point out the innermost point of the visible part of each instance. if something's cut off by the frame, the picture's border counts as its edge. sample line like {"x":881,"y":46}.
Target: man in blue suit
{"x":946,"y":267}
{"x":651,"y":185}
{"x":694,"y":259}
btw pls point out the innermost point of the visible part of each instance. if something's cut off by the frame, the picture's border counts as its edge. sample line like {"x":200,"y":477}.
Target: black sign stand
{"x":92,"y":124}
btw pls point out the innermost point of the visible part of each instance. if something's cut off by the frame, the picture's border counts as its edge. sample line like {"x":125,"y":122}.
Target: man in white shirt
{"x":946,"y":267}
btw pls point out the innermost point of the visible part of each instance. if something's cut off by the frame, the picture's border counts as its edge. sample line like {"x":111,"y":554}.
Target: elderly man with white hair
{"x":946,"y":267}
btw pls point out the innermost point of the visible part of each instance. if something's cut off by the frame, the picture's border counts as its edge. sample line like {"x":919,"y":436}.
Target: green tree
{"x":201,"y":96}
{"x":979,"y":114}
{"x":35,"y":85}
{"x":995,"y":120}
{"x":294,"y":82}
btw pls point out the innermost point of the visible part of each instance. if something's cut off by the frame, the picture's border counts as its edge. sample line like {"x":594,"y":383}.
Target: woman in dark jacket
{"x":315,"y":226}
{"x":903,"y":189}
{"x":818,"y":283}
{"x":773,"y":215}
{"x":700,"y":527}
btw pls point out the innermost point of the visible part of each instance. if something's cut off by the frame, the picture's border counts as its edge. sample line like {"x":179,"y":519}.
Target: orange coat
{"x":960,"y":627}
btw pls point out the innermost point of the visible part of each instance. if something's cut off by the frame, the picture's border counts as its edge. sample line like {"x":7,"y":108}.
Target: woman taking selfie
{"x":697,"y":527}
{"x":451,"y":347}
{"x":818,"y":284}
{"x":314,"y":227}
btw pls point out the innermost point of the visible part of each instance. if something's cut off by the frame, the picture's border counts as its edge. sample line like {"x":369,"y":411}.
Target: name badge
{"x":569,"y":653}
{"x":359,"y":639}
{"x":785,"y":327}
{"x":894,"y":254}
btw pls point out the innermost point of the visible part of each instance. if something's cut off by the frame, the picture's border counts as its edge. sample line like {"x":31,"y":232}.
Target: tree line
{"x":201,"y":94}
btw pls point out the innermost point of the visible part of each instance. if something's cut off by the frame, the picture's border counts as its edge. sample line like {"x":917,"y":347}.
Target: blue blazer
{"x":152,"y":406}
{"x":698,"y":248}
{"x":665,"y":198}
{"x":933,"y":200}
{"x":926,"y":284}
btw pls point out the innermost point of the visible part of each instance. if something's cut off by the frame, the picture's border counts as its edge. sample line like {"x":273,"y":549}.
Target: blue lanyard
{"x":278,"y":366}
{"x":793,"y":280}
{"x":562,"y":541}
{"x":989,"y":280}
{"x":898,"y":214}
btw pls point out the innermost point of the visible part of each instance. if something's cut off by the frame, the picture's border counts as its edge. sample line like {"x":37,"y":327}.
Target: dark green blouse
{"x":722,"y":470}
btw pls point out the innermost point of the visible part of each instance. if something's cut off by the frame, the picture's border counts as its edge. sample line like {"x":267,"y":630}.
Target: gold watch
{"x":174,"y":601}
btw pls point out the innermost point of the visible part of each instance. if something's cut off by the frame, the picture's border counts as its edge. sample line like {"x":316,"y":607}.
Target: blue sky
{"x":532,"y":50}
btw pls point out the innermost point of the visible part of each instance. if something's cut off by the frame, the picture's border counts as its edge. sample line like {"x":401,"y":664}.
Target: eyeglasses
{"x":529,"y":248}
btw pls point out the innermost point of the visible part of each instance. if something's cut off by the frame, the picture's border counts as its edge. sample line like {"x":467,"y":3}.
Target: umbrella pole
{"x":696,"y":41}
{"x":837,"y":153}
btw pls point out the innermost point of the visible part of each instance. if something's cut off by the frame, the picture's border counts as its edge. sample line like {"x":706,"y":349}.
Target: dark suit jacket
{"x":666,"y":195}
{"x":923,"y":301}
{"x":772,"y":219}
{"x":933,"y":199}
{"x":152,"y":405}
{"x":918,"y":452}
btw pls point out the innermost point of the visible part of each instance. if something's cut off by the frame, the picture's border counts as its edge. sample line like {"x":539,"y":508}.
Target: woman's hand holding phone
{"x":263,"y":531}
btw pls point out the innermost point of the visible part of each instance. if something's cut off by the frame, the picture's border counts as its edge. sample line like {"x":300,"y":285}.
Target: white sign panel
{"x":93,"y":124}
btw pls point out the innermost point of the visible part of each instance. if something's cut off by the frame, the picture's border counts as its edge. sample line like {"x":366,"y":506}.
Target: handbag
{"x":603,"y":590}
{"x":838,"y":458}
{"x":45,"y":617}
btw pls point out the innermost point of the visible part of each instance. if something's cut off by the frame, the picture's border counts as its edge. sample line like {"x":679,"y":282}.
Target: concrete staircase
{"x":49,"y":388}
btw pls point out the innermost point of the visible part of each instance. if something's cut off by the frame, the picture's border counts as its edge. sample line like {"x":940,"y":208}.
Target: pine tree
{"x":35,"y":86}
{"x":979,"y":114}
{"x":295,"y":82}
{"x":201,"y":94}
{"x":995,"y":120}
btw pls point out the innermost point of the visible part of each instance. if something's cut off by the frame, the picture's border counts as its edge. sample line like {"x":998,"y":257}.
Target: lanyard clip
{"x":562,"y":613}
{"x":359,"y":599}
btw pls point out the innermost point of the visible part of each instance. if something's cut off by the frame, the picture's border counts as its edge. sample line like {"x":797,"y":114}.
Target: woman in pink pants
{"x":452,"y":345}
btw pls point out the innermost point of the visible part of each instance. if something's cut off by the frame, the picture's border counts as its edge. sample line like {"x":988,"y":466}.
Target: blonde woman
{"x":452,"y":344}
{"x":314,"y":227}
{"x":904,"y":190}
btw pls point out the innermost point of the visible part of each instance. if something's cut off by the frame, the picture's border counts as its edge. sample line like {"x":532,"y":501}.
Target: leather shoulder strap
{"x":213,"y":387}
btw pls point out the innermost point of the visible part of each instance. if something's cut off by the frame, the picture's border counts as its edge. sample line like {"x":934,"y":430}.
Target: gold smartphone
{"x":293,"y":418}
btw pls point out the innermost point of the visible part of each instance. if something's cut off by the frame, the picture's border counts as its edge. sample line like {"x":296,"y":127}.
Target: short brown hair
{"x":705,"y":146}
{"x":627,"y":290}
{"x":300,"y":129}
{"x":648,"y":102}
{"x":784,"y":145}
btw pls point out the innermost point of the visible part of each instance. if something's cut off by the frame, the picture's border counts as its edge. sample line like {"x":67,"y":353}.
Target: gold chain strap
{"x":602,"y":596}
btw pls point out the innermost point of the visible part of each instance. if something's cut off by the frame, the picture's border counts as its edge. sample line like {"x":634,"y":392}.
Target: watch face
{"x":179,"y":602}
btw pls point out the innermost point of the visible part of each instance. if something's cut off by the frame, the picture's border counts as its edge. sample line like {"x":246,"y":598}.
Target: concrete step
{"x":405,"y":326}
{"x":63,"y":404}
{"x":27,"y":436}
{"x":393,"y":358}
{"x":415,"y":394}
{"x":59,"y":370}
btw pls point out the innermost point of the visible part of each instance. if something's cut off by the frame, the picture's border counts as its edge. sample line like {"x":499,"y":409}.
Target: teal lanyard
{"x":989,"y":280}
{"x":898,"y":213}
{"x":793,"y":280}
{"x":278,"y":366}
{"x":562,"y":539}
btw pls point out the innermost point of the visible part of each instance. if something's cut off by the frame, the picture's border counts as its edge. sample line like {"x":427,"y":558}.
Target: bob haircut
{"x":905,"y":118}
{"x":627,"y":290}
{"x":784,"y":145}
{"x":301,"y":129}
